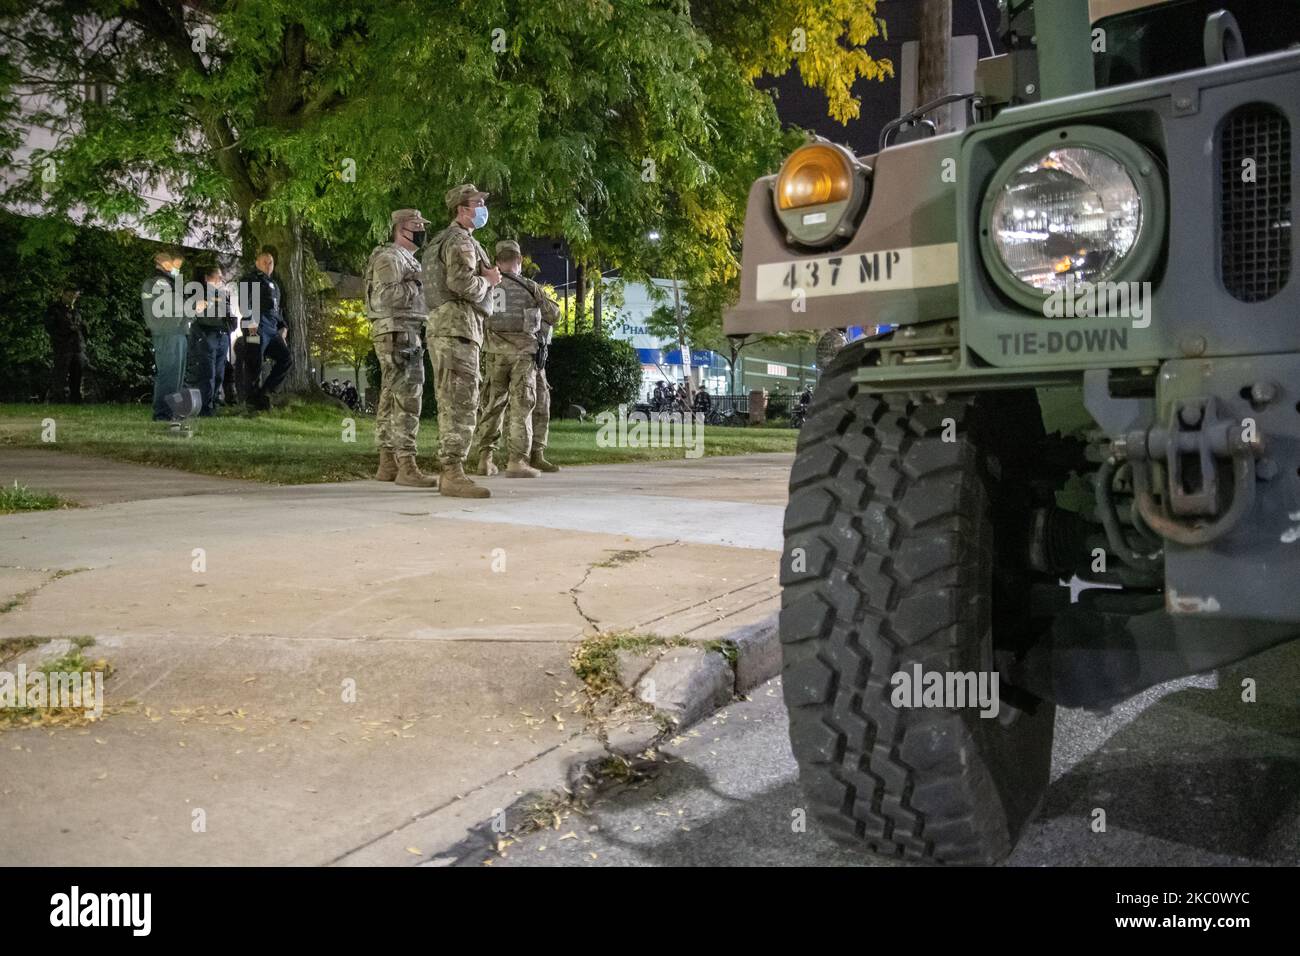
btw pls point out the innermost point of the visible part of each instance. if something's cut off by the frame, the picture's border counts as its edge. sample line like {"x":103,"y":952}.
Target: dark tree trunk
{"x":290,"y":265}
{"x":682,"y":345}
{"x":932,"y":68}
{"x":597,"y":323}
{"x":580,"y":291}
{"x":735,"y":358}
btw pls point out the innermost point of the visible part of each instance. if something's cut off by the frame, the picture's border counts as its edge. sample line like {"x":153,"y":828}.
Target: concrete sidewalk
{"x":99,"y":481}
{"x":239,"y":617}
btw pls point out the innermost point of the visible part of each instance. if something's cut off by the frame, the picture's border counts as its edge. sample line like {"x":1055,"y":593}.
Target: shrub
{"x":109,"y":268}
{"x":592,"y":371}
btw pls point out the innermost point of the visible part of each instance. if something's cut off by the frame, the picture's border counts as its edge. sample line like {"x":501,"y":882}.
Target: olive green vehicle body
{"x":920,"y":259}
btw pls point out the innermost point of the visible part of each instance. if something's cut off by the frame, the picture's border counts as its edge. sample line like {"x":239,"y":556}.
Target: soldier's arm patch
{"x":386,"y":271}
{"x":460,"y":260}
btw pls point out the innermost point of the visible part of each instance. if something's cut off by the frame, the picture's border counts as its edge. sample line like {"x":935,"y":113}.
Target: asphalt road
{"x":1187,"y":773}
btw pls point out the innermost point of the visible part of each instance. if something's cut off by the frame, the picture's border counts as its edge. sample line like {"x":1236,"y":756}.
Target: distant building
{"x":155,"y":195}
{"x":661,"y":359}
{"x":769,"y":365}
{"x":777,"y":367}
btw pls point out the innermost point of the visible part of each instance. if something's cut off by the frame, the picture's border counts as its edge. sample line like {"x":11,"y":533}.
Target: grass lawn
{"x":16,"y":497}
{"x":304,"y":441}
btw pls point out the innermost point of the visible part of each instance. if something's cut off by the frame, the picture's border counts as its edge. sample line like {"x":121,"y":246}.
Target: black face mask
{"x":418,"y":238}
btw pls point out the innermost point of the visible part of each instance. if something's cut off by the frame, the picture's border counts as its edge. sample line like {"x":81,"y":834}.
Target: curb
{"x":758,"y":652}
{"x":689,"y":683}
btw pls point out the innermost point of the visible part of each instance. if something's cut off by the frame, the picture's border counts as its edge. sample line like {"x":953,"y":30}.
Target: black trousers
{"x":225,"y":381}
{"x":275,"y":349}
{"x":252,"y":387}
{"x":65,"y":379}
{"x":210,"y":363}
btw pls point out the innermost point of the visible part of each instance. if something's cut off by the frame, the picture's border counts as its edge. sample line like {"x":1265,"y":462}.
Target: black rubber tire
{"x":897,"y":531}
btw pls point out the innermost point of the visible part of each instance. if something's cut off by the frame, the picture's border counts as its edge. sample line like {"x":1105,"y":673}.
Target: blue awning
{"x":699,"y":357}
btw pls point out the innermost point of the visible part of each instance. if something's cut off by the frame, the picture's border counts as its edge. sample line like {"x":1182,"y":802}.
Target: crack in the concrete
{"x":22,"y":597}
{"x":577,"y":605}
{"x":619,"y":557}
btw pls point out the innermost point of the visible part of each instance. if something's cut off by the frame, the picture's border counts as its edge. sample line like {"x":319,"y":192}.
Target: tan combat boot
{"x":521,"y":469}
{"x":454,"y":484}
{"x":387,"y":465}
{"x":484,"y":465}
{"x":409,"y":474}
{"x":538,"y":461}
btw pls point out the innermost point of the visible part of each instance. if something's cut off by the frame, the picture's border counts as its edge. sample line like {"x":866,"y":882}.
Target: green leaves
{"x":595,"y":120}
{"x":592,"y":371}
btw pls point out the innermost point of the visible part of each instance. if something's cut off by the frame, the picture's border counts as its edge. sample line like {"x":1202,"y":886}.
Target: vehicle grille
{"x":1255,"y":216}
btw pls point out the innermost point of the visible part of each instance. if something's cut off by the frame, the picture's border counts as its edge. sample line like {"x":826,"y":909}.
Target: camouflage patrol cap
{"x":509,"y":249}
{"x":462,"y":194}
{"x":400,"y":216}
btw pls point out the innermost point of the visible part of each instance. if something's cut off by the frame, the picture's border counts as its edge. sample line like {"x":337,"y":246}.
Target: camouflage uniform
{"x":459,"y":299}
{"x":520,"y":310}
{"x":395,"y":305}
{"x":541,"y":413}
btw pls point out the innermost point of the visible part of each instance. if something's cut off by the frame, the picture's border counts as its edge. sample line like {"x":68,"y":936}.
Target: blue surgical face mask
{"x":480,"y":217}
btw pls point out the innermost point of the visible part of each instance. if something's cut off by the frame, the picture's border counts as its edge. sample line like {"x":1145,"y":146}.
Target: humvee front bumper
{"x":1215,"y":458}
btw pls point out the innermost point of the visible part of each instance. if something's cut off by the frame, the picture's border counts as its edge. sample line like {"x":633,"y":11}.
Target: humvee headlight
{"x":819,"y":192}
{"x":1077,"y":205}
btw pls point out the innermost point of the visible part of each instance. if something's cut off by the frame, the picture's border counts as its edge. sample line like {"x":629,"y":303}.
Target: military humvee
{"x":1072,"y":470}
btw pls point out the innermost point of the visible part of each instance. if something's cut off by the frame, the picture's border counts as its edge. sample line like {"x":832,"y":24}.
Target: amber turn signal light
{"x":813,"y":175}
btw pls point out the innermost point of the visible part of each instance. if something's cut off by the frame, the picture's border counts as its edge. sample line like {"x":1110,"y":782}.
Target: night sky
{"x":797,"y":105}
{"x":800,"y":106}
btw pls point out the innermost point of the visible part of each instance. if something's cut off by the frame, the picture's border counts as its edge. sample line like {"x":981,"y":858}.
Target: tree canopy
{"x":304,"y":122}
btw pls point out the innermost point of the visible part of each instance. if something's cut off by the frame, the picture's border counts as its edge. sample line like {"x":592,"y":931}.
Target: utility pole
{"x":580,"y":293}
{"x":556,"y":247}
{"x":932,"y":79}
{"x":682,"y":349}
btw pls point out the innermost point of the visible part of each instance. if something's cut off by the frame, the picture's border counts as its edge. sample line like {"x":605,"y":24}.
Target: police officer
{"x":164,"y":314}
{"x":395,"y":305}
{"x":210,"y":338}
{"x":520,"y":314}
{"x":458,"y":281}
{"x":68,"y":338}
{"x":260,"y":300}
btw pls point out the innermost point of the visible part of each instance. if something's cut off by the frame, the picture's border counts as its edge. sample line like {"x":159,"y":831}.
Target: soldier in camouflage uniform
{"x":458,"y":283}
{"x":521,"y":315}
{"x":395,"y":305}
{"x":542,"y":418}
